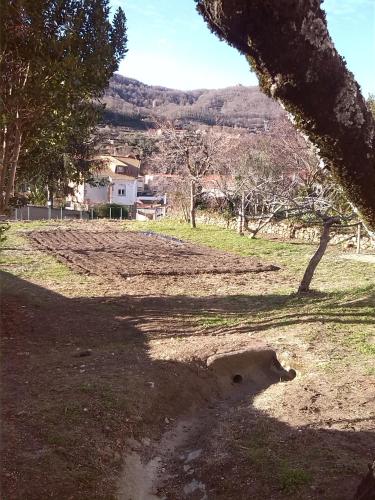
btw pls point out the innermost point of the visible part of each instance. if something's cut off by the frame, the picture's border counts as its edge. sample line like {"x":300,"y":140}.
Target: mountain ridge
{"x":132,"y":103}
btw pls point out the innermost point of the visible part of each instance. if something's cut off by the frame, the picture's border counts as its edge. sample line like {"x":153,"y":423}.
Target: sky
{"x":170,"y":45}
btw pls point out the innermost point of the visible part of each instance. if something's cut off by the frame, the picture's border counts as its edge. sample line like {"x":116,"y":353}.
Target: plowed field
{"x":127,"y":253}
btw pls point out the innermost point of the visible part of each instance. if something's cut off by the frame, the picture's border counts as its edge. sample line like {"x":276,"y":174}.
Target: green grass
{"x":362,"y":342}
{"x":224,"y":239}
{"x":218,"y":321}
{"x":18,"y":257}
{"x":332,"y":273}
{"x":340,"y":316}
{"x":293,"y":478}
{"x":344,"y":301}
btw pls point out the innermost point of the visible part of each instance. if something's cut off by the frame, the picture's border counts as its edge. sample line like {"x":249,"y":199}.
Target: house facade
{"x":116,"y":182}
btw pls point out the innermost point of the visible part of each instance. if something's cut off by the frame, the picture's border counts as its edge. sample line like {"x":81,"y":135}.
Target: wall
{"x":131,"y":192}
{"x":289,"y":230}
{"x":96,"y":194}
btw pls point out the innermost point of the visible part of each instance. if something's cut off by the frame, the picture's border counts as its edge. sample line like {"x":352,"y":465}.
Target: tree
{"x":55,"y":59}
{"x":320,"y":202}
{"x":59,"y":154}
{"x":275,"y":175}
{"x":189,"y":153}
{"x":288,"y":45}
{"x":261,"y":174}
{"x":371,"y":103}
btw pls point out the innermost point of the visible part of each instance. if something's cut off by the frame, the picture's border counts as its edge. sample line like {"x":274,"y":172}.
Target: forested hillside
{"x":134,"y":104}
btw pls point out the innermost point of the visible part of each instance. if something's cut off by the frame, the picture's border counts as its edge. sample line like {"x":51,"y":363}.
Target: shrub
{"x":113,"y":210}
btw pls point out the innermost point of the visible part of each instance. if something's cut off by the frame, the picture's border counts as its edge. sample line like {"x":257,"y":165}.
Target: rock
{"x":193,"y":455}
{"x":193,"y":486}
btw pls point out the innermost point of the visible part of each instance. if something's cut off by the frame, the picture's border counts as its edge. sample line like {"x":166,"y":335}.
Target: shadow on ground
{"x":78,"y":382}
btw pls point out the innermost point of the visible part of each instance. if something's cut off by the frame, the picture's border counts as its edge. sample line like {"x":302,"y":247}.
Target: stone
{"x":193,"y":455}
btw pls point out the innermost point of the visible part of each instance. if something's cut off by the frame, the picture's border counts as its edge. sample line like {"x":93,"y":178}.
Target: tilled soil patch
{"x":126,"y":253}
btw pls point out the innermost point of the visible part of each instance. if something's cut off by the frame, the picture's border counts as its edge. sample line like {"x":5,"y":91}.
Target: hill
{"x":133,"y":104}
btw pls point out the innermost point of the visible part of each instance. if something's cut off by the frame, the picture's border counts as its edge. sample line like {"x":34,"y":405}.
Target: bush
{"x":113,"y":210}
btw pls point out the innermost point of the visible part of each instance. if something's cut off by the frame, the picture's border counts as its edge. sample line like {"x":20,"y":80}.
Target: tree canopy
{"x":56,"y":58}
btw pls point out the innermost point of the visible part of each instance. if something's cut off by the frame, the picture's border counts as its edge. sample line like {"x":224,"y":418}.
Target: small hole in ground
{"x":237,"y":379}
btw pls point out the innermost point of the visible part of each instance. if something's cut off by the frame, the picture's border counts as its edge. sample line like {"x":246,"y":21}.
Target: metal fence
{"x":32,"y":212}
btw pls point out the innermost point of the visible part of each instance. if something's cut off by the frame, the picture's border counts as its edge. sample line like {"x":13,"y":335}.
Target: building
{"x":116,"y":182}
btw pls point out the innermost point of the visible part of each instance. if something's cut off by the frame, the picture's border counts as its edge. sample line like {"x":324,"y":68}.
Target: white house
{"x":115,"y":182}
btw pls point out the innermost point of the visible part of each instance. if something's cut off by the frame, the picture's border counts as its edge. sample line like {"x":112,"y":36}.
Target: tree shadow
{"x":250,"y":313}
{"x":79,"y":379}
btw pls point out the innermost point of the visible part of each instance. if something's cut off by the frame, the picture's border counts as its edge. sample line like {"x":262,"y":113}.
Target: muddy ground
{"x":105,"y":391}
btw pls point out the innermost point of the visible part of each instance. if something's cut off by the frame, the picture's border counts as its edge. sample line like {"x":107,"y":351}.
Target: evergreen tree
{"x":56,"y":58}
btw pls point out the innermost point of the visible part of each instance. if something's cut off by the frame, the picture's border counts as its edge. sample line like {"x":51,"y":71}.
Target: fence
{"x":32,"y":212}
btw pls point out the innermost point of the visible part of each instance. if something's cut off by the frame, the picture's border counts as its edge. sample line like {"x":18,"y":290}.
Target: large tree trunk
{"x":192,"y":203}
{"x":317,"y":257}
{"x":11,"y":169}
{"x":288,"y":45}
{"x":366,"y":489}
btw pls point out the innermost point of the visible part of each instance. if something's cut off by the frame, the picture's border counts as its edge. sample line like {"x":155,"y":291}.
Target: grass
{"x":224,"y":239}
{"x":361,"y":342}
{"x":217,"y":321}
{"x":332,"y":273}
{"x":339,"y":316}
{"x":19,"y":258}
{"x":344,"y":303}
{"x":259,"y":449}
{"x":293,"y":478}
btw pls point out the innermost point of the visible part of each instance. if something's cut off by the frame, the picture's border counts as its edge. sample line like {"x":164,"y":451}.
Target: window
{"x":121,"y":192}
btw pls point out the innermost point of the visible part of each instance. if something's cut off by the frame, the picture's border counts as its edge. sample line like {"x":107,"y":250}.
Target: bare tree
{"x":288,"y":44}
{"x":260,"y":174}
{"x":275,"y":175}
{"x":178,"y":192}
{"x":189,"y":153}
{"x":322,"y":203}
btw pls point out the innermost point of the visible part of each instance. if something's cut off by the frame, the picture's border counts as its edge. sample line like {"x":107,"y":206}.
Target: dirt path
{"x":170,"y":471}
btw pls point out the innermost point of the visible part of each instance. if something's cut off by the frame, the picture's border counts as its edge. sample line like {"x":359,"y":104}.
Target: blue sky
{"x":170,"y":45}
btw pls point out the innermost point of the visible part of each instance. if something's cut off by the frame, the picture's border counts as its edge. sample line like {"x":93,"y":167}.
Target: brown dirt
{"x":69,"y":422}
{"x":126,"y":254}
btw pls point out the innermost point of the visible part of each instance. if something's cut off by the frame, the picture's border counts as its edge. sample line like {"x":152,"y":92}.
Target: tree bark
{"x":289,"y":47}
{"x":192,"y":204}
{"x":366,"y":489}
{"x":317,"y":257}
{"x":241,"y":217}
{"x":9,"y":190}
{"x":263,"y":224}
